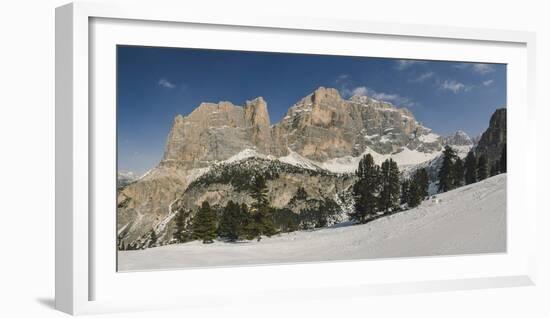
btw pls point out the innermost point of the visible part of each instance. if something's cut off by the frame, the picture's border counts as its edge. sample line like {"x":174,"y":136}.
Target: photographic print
{"x":228,"y":158}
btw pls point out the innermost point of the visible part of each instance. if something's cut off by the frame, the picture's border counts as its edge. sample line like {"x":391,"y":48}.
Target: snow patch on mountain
{"x":295,"y":159}
{"x":403,"y":158}
{"x":245,"y":154}
{"x":429,"y":138}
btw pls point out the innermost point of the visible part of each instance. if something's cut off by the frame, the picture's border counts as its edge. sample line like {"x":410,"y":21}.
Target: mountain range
{"x":308,"y":158}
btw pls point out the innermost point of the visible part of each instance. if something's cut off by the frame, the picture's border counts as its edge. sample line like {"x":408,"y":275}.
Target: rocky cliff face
{"x":215,"y":132}
{"x":321,"y":126}
{"x":494,"y":138}
{"x":320,"y":132}
{"x":324,"y":126}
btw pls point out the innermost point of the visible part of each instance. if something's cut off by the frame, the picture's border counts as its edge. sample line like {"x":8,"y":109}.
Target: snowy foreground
{"x":468,"y":220}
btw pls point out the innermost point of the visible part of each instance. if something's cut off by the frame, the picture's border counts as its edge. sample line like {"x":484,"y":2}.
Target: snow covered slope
{"x":404,"y":158}
{"x":467,"y":220}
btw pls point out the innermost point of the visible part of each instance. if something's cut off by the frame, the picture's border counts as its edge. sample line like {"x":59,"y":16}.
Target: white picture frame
{"x":83,"y":286}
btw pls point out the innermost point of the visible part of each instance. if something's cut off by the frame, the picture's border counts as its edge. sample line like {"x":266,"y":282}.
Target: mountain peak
{"x":322,"y":93}
{"x":459,"y":138}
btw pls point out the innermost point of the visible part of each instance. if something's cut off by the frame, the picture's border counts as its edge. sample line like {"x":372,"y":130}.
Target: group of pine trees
{"x":454,"y":172}
{"x":415,"y":189}
{"x":379,"y":189}
{"x":235,"y":222}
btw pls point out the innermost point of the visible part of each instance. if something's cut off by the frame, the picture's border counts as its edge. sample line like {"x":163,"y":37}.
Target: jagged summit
{"x":214,"y":132}
{"x":321,"y":126}
{"x":459,"y":138}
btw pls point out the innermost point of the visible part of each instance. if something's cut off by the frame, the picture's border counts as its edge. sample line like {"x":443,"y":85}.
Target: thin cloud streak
{"x":165,"y":83}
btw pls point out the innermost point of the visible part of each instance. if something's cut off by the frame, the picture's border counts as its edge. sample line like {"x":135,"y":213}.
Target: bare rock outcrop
{"x":493,"y":140}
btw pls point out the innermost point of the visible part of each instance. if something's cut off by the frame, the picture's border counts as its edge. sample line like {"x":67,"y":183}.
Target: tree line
{"x":237,"y":221}
{"x":455,"y":172}
{"x":379,"y":189}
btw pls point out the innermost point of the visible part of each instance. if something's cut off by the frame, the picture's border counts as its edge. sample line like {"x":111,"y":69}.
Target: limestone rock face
{"x":323,"y":126}
{"x":215,"y":132}
{"x":494,"y":138}
{"x":259,"y":130}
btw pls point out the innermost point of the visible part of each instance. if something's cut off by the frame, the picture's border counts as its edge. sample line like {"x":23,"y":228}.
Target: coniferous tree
{"x":414,"y":195}
{"x":232,"y":222}
{"x":422,"y":180}
{"x":389,"y":186}
{"x":405,"y":190}
{"x":458,"y":173}
{"x":291,"y":225}
{"x":204,"y":224}
{"x":445,"y":175}
{"x":321,"y":219}
{"x":482,"y":168}
{"x":153,"y":239}
{"x":251,"y":230}
{"x":179,"y":234}
{"x":262,"y":213}
{"x":502,"y":160}
{"x":366,"y":189}
{"x":417,"y":188}
{"x":470,"y":168}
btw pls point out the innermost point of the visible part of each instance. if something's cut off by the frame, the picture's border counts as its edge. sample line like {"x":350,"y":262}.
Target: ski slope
{"x":468,"y":220}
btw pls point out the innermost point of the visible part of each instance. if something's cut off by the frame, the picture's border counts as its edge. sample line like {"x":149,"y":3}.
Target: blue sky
{"x":156,"y":84}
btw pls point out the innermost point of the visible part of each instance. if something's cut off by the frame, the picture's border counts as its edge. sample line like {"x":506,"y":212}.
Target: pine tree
{"x":291,"y":225}
{"x":414,"y":195}
{"x":251,"y":229}
{"x":482,"y":168}
{"x":232,"y":222}
{"x":153,"y":239}
{"x":390,"y":186}
{"x":470,"y":167}
{"x":405,"y":190}
{"x":262,"y":213}
{"x":458,"y":173}
{"x":366,"y":189}
{"x":321,"y":219}
{"x":204,"y":224}
{"x":179,"y":234}
{"x":417,"y":189}
{"x":445,"y":175}
{"x":502,"y":160}
{"x":422,"y":180}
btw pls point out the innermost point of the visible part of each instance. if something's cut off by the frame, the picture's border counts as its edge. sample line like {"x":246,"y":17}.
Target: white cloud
{"x":395,"y":99}
{"x":483,"y":68}
{"x":461,"y":65}
{"x":488,"y":82}
{"x":342,"y":78}
{"x":454,"y":86}
{"x":422,"y":77}
{"x":360,"y":90}
{"x":404,"y":64}
{"x":480,"y":68}
{"x":165,"y":83}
